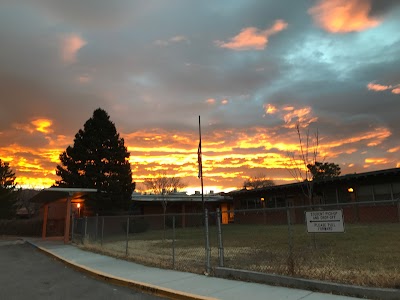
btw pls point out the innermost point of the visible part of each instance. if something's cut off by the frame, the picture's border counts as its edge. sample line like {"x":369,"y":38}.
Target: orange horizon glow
{"x":158,"y":151}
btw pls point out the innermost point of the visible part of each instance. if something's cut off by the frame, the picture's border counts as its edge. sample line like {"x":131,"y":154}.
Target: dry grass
{"x":366,"y":255}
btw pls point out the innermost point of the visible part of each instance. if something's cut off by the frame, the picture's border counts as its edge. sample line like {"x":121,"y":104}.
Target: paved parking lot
{"x":27,"y":273}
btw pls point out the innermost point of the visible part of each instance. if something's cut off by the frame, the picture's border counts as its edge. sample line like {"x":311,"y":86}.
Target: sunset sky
{"x":251,"y":69}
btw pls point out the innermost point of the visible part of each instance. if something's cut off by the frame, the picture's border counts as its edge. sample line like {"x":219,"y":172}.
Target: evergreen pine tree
{"x":7,"y":191}
{"x":98,"y":159}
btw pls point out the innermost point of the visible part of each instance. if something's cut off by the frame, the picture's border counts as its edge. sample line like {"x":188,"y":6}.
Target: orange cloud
{"x":335,"y":148}
{"x":291,"y":115}
{"x":42,"y":125}
{"x":210,"y":101}
{"x":270,"y":109}
{"x":342,"y":16}
{"x":251,"y":38}
{"x":71,"y":44}
{"x":393,"y":150}
{"x":396,"y":90}
{"x":224,"y":101}
{"x":376,"y":161}
{"x":378,"y":87}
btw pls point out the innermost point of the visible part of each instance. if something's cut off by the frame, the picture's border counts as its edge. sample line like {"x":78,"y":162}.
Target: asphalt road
{"x":26,"y":273}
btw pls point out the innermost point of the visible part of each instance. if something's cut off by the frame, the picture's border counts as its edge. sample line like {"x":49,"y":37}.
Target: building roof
{"x":340,"y":179}
{"x":179,"y":197}
{"x":54,"y":194}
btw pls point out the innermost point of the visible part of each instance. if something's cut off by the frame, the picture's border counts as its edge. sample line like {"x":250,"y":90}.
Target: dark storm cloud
{"x":381,"y":7}
{"x":93,"y":14}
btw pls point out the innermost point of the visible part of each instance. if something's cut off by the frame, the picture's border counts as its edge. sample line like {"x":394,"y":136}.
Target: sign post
{"x":324,"y":221}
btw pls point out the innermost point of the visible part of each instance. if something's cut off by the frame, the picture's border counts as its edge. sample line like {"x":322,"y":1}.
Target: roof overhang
{"x":55,"y":194}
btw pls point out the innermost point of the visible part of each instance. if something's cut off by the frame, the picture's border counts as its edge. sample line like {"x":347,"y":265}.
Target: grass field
{"x":367,"y":255}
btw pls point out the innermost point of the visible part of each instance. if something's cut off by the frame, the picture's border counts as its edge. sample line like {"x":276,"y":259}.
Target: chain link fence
{"x":176,"y":241}
{"x":277,"y":241}
{"x":270,"y":240}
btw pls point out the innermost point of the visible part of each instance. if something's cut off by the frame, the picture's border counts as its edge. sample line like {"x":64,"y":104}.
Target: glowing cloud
{"x":341,"y":16}
{"x":291,"y":115}
{"x":251,"y":38}
{"x":210,"y":101}
{"x":42,"y":125}
{"x":378,"y":87}
{"x":270,"y":109}
{"x":71,"y":44}
{"x":376,"y":160}
{"x":393,"y":150}
{"x":396,"y":91}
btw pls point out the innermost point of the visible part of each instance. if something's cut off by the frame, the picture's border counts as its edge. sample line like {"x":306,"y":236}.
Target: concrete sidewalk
{"x":169,"y":283}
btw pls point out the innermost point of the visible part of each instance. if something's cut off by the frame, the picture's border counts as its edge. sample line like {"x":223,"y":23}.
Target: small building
{"x":58,"y":205}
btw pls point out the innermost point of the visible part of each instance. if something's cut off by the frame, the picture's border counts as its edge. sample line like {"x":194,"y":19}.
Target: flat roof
{"x":53,"y":194}
{"x":179,"y":198}
{"x":342,"y":178}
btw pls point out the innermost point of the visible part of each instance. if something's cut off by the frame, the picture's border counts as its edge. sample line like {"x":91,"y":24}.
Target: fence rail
{"x":270,"y":240}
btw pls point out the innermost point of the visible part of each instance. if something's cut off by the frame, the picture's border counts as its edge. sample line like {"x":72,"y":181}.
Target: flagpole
{"x":200,"y":161}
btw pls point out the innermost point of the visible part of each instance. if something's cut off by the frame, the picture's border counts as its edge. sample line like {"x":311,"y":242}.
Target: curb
{"x":306,"y":284}
{"x":137,"y":285}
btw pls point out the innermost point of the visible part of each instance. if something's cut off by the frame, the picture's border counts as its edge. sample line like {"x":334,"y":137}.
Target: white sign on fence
{"x":325,"y":221}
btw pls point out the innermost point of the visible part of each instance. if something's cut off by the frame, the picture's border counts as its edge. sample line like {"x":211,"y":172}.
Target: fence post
{"x":127,"y":236}
{"x":220,"y":244}
{"x":398,"y":209}
{"x":97,"y":225}
{"x":290,"y":242}
{"x":173,"y":242}
{"x":72,"y":228}
{"x":207,"y":246}
{"x":102,"y":230}
{"x":85,"y":231}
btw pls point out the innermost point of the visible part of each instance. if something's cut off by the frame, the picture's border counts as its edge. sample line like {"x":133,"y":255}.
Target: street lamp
{"x":79,"y":209}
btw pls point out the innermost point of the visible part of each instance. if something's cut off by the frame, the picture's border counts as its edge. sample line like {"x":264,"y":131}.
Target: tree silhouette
{"x":320,"y":171}
{"x":7,"y":190}
{"x":98,"y":159}
{"x":258,"y":181}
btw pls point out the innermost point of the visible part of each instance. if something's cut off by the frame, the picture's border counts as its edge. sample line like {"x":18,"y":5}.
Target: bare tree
{"x":259,"y":181}
{"x":299,"y":162}
{"x":23,"y":200}
{"x":163,"y":185}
